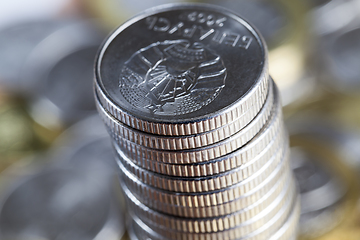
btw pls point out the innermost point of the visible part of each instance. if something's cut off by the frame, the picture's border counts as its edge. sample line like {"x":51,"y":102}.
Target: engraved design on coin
{"x":173,"y":77}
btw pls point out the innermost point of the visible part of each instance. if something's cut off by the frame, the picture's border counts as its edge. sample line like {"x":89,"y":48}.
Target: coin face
{"x":180,"y":63}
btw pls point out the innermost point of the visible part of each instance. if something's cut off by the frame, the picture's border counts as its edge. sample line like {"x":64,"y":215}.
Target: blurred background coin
{"x":115,"y":12}
{"x":75,"y":195}
{"x":324,"y":164}
{"x":59,"y":72}
{"x":58,"y":204}
{"x":16,"y":43}
{"x":283,"y":26}
{"x":47,"y":47}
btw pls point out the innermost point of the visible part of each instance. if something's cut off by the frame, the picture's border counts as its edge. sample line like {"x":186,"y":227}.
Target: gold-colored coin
{"x":20,"y":136}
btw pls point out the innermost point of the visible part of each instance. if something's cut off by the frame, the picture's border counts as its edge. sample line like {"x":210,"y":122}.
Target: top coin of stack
{"x":197,"y":127}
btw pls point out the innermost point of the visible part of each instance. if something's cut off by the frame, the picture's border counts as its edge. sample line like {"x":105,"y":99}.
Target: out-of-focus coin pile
{"x":52,"y":146}
{"x":198,"y":160}
{"x":75,"y":196}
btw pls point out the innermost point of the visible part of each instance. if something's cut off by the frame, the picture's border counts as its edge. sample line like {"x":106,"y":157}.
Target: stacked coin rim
{"x":221,"y":176}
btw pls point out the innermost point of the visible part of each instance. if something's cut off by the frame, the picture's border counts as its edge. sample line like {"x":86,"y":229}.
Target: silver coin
{"x":174,"y":203}
{"x":56,"y":204}
{"x":274,"y":184}
{"x":93,"y":153}
{"x":261,"y":139}
{"x":164,"y":74}
{"x":263,"y":232}
{"x":316,"y":182}
{"x":217,"y":166}
{"x":86,"y":146}
{"x":194,"y":141}
{"x":179,"y":180}
{"x":167,"y":223}
{"x":342,"y":63}
{"x":243,"y":213}
{"x":61,"y":70}
{"x":16,"y":44}
{"x":288,"y":231}
{"x":198,"y":184}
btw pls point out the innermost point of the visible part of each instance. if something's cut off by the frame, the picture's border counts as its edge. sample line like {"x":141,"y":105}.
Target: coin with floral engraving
{"x":197,"y":69}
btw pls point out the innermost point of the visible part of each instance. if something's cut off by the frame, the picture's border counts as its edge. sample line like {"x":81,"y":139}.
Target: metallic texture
{"x":239,"y":91}
{"x":232,"y":129}
{"x":197,"y":129}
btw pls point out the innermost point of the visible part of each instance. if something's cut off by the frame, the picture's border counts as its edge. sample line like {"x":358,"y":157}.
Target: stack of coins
{"x":197,"y":127}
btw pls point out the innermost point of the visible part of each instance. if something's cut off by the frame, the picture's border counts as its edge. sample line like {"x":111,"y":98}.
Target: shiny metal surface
{"x":200,"y":141}
{"x":198,"y":107}
{"x":233,"y":129}
{"x":220,"y":165}
{"x":139,"y":230}
{"x":221,"y":225}
{"x":236,"y":202}
{"x":198,"y":184}
{"x":235,"y":189}
{"x":260,"y":140}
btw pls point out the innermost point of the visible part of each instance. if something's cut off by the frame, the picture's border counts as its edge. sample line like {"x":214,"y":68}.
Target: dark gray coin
{"x":321,"y":191}
{"x":197,"y":63}
{"x":86,"y":146}
{"x":61,"y":70}
{"x":319,"y":3}
{"x":16,"y":44}
{"x":344,"y":60}
{"x":55,"y":204}
{"x":315,"y":181}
